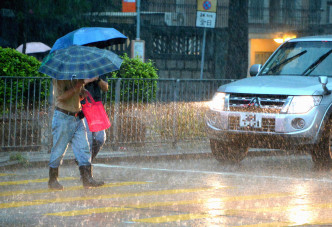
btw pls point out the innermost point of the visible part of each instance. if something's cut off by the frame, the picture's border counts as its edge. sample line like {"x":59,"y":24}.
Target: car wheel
{"x":321,"y":153}
{"x":228,"y":152}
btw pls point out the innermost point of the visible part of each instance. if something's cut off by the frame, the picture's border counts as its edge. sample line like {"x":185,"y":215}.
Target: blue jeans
{"x":96,"y":139}
{"x":69,"y":129}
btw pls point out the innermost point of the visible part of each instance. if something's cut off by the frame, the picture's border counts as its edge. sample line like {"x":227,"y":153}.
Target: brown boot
{"x":88,"y":181}
{"x":53,"y":181}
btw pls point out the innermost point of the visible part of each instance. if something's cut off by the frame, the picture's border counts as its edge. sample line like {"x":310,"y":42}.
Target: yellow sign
{"x":207,"y":5}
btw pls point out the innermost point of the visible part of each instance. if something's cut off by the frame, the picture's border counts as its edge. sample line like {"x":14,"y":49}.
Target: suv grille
{"x":256,"y":103}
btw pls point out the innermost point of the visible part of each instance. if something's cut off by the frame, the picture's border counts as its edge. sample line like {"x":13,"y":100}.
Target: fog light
{"x":298,"y":123}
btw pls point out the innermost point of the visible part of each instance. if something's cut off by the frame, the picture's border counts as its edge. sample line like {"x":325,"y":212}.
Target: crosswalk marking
{"x":89,"y":211}
{"x":73,"y":188}
{"x":73,"y":199}
{"x":6,"y":174}
{"x":222,"y":199}
{"x":191,"y":216}
{"x":169,"y":203}
{"x":281,"y":224}
{"x":270,"y":224}
{"x":162,"y":218}
{"x":172,"y":218}
{"x":285,"y":208}
{"x":6,"y":183}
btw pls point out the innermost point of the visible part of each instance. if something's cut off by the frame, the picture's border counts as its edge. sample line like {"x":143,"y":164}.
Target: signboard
{"x":207,"y":5}
{"x":206,"y":19}
{"x":128,"y":5}
{"x":206,"y":13}
{"x":138,"y":49}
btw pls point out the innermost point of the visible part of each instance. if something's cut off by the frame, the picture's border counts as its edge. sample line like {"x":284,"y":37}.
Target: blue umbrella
{"x":94,"y":36}
{"x":80,"y":62}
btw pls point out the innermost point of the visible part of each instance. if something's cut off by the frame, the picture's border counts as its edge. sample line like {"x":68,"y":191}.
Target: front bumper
{"x":270,"y":130}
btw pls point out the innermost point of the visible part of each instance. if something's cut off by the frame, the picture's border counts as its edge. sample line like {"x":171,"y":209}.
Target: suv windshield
{"x":296,"y":58}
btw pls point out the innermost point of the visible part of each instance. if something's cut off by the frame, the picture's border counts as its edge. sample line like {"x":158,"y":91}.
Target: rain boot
{"x":88,"y":181}
{"x":53,"y":181}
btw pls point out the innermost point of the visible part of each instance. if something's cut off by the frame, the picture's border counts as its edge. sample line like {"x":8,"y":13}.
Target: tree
{"x":47,"y":20}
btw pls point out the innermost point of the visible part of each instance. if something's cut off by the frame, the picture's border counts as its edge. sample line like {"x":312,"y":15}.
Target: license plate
{"x":251,"y":120}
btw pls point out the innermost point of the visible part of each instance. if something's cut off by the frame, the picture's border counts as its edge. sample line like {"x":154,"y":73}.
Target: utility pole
{"x":138,"y":45}
{"x":138,"y":17}
{"x":203,"y":54}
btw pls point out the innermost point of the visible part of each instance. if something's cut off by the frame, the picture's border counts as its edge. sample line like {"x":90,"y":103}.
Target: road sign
{"x":138,"y":49}
{"x":207,"y":5}
{"x":206,"y":19}
{"x":128,"y":5}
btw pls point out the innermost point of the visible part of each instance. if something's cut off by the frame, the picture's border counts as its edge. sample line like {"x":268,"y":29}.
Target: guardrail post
{"x":175,"y":113}
{"x":48,"y":142}
{"x":115,"y":139}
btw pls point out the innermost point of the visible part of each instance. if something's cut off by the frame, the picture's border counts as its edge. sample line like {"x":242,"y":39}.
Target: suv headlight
{"x":303,"y":104}
{"x":218,"y":102}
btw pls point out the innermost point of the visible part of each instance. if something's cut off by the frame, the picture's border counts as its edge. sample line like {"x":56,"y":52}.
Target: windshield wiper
{"x":286,"y":61}
{"x":316,"y":63}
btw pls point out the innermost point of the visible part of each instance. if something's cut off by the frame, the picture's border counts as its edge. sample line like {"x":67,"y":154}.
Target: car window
{"x":293,"y":58}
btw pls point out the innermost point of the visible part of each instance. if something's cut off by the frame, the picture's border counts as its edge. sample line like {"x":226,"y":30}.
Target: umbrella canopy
{"x":80,"y":62}
{"x":95,"y":36}
{"x":34,"y":47}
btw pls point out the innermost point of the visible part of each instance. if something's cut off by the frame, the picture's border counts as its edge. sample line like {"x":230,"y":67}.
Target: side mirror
{"x":324,"y":80}
{"x":254,"y":69}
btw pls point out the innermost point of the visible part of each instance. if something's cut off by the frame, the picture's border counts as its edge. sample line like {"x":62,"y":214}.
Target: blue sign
{"x":207,"y":5}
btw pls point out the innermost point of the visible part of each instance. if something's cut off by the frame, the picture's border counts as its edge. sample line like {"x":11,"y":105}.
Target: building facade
{"x":246,"y":32}
{"x":270,"y":22}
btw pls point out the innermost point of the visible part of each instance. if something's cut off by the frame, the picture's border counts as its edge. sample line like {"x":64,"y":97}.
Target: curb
{"x":69,"y":160}
{"x":107,"y":157}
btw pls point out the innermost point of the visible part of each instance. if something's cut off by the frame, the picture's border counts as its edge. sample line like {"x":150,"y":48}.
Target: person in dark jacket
{"x":96,"y":139}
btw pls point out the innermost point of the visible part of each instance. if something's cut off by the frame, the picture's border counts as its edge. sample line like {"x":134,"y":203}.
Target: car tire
{"x":227,"y":152}
{"x":321,"y":153}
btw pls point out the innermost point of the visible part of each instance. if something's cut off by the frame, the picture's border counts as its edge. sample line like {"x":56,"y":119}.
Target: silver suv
{"x":286,"y":104}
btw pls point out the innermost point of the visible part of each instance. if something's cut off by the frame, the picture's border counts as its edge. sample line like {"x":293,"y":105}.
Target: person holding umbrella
{"x":93,"y":37}
{"x":68,"y":127}
{"x":96,"y":139}
{"x":72,"y":68}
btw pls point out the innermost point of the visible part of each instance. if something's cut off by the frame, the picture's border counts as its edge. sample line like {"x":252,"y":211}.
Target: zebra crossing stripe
{"x":172,"y":218}
{"x":169,"y":203}
{"x":73,"y":188}
{"x":89,"y":211}
{"x":6,"y":174}
{"x":191,"y":216}
{"x":111,"y":196}
{"x":6,"y":183}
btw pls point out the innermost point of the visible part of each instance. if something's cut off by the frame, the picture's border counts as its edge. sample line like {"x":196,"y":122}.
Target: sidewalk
{"x":149,"y":152}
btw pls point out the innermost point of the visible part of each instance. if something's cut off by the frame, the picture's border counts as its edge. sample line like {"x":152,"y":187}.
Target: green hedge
{"x":136,"y":90}
{"x":16,"y":64}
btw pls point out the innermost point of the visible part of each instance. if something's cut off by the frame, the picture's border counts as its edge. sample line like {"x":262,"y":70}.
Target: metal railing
{"x":141,"y":111}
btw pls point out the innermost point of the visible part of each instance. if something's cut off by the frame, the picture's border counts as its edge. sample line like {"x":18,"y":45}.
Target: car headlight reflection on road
{"x":218,"y":102}
{"x":303,"y":104}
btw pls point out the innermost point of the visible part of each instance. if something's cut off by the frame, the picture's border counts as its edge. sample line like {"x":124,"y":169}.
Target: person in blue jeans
{"x":68,"y":128}
{"x":96,"y":139}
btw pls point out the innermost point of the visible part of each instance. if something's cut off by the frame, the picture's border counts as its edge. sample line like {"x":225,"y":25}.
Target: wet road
{"x":261,"y":191}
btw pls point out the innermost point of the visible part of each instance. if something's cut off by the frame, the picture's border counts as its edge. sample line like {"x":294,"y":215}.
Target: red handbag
{"x":95,"y":115}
